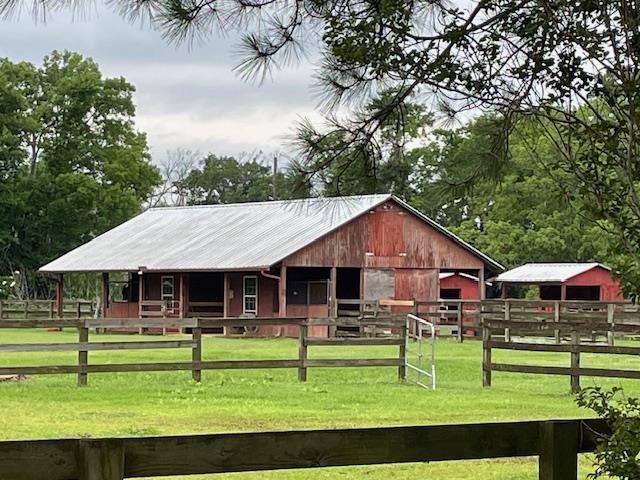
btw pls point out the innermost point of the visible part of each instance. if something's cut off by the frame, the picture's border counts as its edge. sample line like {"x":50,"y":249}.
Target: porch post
{"x":105,"y":293}
{"x":283,"y":291}
{"x":140,"y":292}
{"x":503,"y":290}
{"x":60,"y":295}
{"x":563,"y":292}
{"x":333,"y":309}
{"x":183,"y":297}
{"x":225,"y":299}
{"x":481,"y":284}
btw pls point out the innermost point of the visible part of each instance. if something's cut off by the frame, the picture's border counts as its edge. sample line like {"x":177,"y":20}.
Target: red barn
{"x":565,"y":281}
{"x":285,"y":258}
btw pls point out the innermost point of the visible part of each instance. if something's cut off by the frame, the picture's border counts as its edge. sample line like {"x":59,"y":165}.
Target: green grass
{"x":131,"y":404}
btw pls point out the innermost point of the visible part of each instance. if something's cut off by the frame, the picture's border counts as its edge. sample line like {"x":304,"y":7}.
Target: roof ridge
{"x":266,"y":202}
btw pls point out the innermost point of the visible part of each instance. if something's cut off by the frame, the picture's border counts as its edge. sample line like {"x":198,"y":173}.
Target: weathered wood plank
{"x":353,"y":362}
{"x":548,"y":347}
{"x":74,"y":347}
{"x":354,"y":341}
{"x":556,"y":370}
{"x":206,"y":454}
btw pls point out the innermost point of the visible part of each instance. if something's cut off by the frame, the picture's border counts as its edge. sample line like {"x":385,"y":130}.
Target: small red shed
{"x":459,"y":286}
{"x":565,"y":281}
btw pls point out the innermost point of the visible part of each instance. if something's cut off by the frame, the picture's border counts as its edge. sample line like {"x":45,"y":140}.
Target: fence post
{"x":575,"y":361}
{"x":610,"y":333}
{"x":100,"y":459}
{"x":559,"y":441}
{"x":83,"y":355}
{"x":486,"y":355}
{"x":459,"y":321}
{"x":196,"y":352}
{"x":302,"y":353}
{"x":402,"y":353}
{"x":556,"y":319}
{"x":507,"y":317}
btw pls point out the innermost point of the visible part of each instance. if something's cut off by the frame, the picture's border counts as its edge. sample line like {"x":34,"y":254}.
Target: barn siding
{"x":468,"y":288}
{"x":416,"y":284}
{"x":387,"y":237}
{"x":609,"y":287}
{"x":267,"y":288}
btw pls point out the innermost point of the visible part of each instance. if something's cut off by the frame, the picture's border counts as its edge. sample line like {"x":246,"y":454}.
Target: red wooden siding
{"x":387,"y":237}
{"x":416,"y":284}
{"x":598,"y":276}
{"x":468,"y":287}
{"x":267,"y":294}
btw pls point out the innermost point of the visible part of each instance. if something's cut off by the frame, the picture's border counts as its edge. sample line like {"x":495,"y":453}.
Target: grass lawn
{"x":133,"y":404}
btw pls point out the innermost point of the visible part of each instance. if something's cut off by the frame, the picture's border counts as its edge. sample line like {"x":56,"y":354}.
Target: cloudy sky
{"x":186,"y":97}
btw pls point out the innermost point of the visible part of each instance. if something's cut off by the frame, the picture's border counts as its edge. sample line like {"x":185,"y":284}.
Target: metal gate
{"x":421,"y":352}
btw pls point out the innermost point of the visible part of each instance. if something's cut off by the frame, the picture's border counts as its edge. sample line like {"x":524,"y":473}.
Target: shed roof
{"x":546,"y":272}
{"x":239,"y":236}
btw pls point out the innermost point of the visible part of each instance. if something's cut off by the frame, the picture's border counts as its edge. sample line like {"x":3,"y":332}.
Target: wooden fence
{"x":83,"y":346}
{"x":556,"y":443}
{"x":45,"y":309}
{"x":580,"y":336}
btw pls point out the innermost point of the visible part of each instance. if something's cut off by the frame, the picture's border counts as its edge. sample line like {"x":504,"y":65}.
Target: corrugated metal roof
{"x":214,"y":237}
{"x":239,"y":236}
{"x":546,"y":272}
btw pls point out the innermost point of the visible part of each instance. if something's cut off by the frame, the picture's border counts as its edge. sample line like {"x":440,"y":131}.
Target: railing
{"x":13,"y":309}
{"x":578,"y":331}
{"x":196,"y":365}
{"x":556,"y":443}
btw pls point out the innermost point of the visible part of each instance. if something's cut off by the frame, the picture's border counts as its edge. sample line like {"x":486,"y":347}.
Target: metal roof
{"x":546,"y":272}
{"x":241,"y":236}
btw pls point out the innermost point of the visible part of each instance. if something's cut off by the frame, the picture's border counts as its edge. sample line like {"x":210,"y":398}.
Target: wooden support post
{"x":481,"y":284}
{"x":101,"y":459}
{"x":459,"y":323}
{"x":83,"y":356}
{"x":140,"y":292}
{"x":302,"y":353}
{"x":196,"y":353}
{"x":104,"y":298}
{"x":507,"y":318}
{"x":182,"y":313}
{"x":556,"y":318}
{"x":225,"y":299}
{"x":559,"y":441}
{"x":60,"y":295}
{"x":610,"y":315}
{"x":283,"y":292}
{"x":402,"y":354}
{"x":575,"y":362}
{"x":333,"y":309}
{"x":486,"y":356}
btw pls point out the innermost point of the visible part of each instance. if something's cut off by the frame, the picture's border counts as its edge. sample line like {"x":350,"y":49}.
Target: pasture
{"x":165,"y":403}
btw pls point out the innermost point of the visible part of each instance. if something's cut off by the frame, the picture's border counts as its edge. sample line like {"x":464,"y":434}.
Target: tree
{"x":223,"y":179}
{"x":523,"y":217}
{"x":73,"y":164}
{"x":348,"y":169}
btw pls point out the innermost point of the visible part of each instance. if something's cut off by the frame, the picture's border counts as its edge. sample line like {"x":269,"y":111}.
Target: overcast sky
{"x":185,"y":97}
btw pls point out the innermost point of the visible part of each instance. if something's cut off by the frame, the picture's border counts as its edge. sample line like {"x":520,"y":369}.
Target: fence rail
{"x":556,"y":443}
{"x":577,"y":331}
{"x":83,"y":346}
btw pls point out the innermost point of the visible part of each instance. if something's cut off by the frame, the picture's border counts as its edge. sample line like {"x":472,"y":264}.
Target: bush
{"x":617,"y":454}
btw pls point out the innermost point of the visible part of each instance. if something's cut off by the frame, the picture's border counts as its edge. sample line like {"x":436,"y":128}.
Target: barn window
{"x":167,"y":287}
{"x":250,"y":294}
